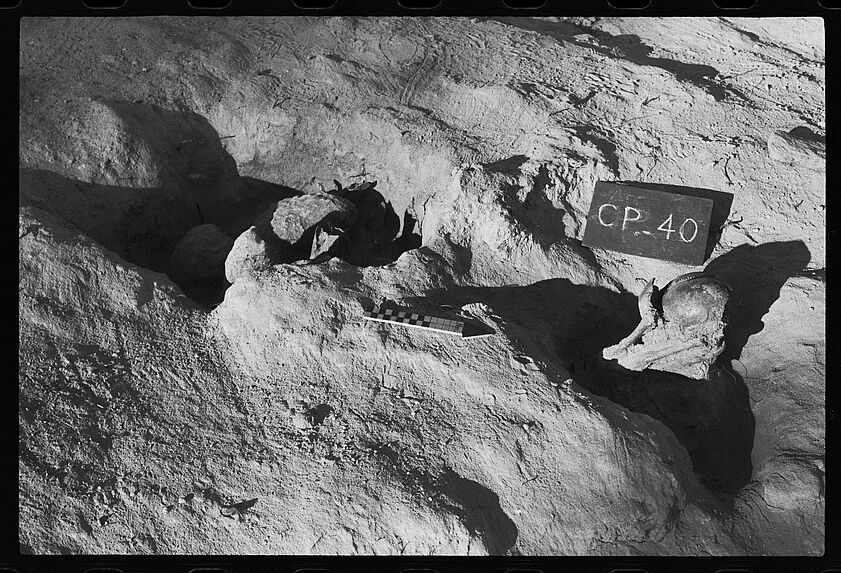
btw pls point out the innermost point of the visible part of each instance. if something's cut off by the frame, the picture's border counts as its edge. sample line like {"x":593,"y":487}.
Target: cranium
{"x":681,"y":328}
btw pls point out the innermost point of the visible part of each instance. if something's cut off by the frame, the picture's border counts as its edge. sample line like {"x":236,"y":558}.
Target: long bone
{"x":649,"y":318}
{"x":645,"y":358}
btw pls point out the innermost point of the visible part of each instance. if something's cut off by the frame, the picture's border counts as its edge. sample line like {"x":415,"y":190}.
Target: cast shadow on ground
{"x":197,"y":181}
{"x":378,"y":236}
{"x":480,"y":511}
{"x":477,"y":507}
{"x":573,"y":323}
{"x":198,"y":184}
{"x":631,"y":48}
{"x":756,"y":274}
{"x":143,"y":225}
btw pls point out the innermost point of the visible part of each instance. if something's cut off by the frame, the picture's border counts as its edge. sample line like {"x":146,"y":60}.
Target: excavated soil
{"x":267,"y":417}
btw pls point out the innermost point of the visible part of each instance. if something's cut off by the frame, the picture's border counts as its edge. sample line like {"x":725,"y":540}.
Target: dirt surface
{"x":273,"y":419}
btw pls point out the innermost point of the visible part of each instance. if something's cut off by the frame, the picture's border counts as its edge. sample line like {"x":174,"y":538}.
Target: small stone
{"x":229,"y":511}
{"x":200,"y":255}
{"x":288,"y":220}
{"x":799,"y":146}
{"x":249,"y":253}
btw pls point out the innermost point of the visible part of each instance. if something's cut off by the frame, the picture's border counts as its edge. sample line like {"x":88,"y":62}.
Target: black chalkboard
{"x":650,"y":223}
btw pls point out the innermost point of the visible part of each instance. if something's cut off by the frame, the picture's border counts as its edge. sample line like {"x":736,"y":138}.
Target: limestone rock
{"x":200,"y":255}
{"x":132,"y":396}
{"x":249,"y":252}
{"x":290,"y":220}
{"x":798,"y":146}
{"x":290,"y":229}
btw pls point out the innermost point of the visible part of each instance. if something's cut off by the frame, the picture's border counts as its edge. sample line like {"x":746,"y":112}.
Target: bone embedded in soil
{"x":681,"y":330}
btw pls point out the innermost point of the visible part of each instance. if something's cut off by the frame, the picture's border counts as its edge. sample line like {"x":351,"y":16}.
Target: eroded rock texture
{"x":272,"y":419}
{"x":249,"y":253}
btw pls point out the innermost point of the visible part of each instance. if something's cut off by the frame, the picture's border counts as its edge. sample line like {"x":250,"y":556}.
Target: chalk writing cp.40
{"x":608,"y":215}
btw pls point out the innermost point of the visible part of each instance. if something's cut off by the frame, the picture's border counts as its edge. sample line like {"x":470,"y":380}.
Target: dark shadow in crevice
{"x":571,"y":324}
{"x":474,"y":328}
{"x":379,"y":235}
{"x":554,"y":317}
{"x":509,"y":166}
{"x":198,"y":184}
{"x":207,"y":293}
{"x":317,"y":414}
{"x":757,"y":275}
{"x":143,"y":225}
{"x":803,"y":133}
{"x":712,"y":418}
{"x":539,"y":214}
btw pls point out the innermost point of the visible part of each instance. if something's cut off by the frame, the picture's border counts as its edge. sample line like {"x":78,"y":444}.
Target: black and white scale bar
{"x":415,"y":319}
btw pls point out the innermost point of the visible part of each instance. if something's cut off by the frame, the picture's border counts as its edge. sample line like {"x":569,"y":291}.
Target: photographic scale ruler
{"x":418,"y":320}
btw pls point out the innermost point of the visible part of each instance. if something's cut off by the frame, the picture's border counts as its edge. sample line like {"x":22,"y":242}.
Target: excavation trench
{"x":172,"y":172}
{"x":151,"y":175}
{"x":713,"y":419}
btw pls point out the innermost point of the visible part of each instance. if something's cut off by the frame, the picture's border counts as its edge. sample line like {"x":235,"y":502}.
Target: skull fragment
{"x":681,"y":328}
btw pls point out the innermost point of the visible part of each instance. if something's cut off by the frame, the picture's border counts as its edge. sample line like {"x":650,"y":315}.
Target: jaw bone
{"x":681,"y":328}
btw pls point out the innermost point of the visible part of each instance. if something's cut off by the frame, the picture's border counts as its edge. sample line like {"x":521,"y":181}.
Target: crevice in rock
{"x":194,"y":183}
{"x":712,"y":419}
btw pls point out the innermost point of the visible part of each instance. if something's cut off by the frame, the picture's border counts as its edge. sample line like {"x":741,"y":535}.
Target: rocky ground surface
{"x":268,"y":417}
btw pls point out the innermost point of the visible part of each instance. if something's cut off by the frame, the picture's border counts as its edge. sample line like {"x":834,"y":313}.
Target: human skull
{"x":681,"y":328}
